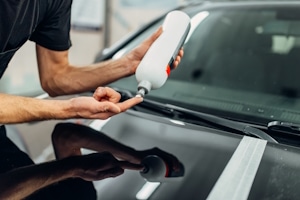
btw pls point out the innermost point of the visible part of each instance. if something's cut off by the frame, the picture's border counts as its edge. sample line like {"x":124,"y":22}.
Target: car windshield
{"x":238,"y":63}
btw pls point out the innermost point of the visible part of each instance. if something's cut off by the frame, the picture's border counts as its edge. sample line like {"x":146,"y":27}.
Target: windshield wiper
{"x":183,"y":113}
{"x":284,"y":127}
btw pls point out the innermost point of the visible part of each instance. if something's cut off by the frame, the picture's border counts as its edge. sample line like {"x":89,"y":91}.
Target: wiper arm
{"x":219,"y":121}
{"x":211,"y":119}
{"x":284,"y":127}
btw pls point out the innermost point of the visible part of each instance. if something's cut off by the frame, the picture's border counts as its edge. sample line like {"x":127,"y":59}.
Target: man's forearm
{"x":16,"y":109}
{"x":87,"y":78}
{"x":59,"y":77}
{"x":21,"y":182}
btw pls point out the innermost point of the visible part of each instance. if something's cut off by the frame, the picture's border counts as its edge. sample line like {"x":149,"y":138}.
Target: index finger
{"x":132,"y":166}
{"x":130,"y":103}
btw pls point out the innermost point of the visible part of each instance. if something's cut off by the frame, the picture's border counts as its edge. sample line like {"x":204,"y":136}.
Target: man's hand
{"x":134,"y":57}
{"x":104,"y":104}
{"x":98,"y":166}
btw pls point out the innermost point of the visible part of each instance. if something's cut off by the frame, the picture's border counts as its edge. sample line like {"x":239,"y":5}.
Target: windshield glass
{"x":240,"y":63}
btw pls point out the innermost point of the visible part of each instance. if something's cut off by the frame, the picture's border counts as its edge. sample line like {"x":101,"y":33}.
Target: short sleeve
{"x":54,"y":30}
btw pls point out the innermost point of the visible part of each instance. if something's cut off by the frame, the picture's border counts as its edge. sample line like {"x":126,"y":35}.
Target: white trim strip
{"x":43,"y":96}
{"x":98,"y":124}
{"x":147,"y":190}
{"x":43,"y":157}
{"x":237,"y":178}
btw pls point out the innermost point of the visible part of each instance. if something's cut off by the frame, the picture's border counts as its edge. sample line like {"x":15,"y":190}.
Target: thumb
{"x":154,"y":36}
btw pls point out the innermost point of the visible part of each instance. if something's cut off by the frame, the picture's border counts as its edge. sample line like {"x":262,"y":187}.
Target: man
{"x":47,"y":23}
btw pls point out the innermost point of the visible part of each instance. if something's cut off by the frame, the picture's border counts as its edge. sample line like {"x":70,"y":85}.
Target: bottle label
{"x":168,"y":70}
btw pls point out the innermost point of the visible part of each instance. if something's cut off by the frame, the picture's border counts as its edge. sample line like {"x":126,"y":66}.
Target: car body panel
{"x":205,"y":152}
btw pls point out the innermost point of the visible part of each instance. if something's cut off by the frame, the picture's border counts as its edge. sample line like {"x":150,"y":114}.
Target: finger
{"x":181,"y":52}
{"x":130,"y":103}
{"x":178,"y":59}
{"x":175,"y":64}
{"x":109,"y":173}
{"x":99,"y":93}
{"x":106,"y":93}
{"x":113,"y":96}
{"x":154,"y":36}
{"x":157,"y":33}
{"x":106,"y":107}
{"x":117,"y":171}
{"x":132,"y":166}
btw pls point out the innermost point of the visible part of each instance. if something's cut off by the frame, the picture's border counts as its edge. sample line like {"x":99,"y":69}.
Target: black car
{"x":229,"y":112}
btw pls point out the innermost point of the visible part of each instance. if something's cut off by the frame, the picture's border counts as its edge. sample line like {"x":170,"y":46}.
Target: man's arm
{"x":21,"y":182}
{"x":14,"y":109}
{"x":104,"y":104}
{"x":59,"y":77}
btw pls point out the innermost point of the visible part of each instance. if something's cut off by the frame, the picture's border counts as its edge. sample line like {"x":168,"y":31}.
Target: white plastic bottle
{"x":154,"y":68}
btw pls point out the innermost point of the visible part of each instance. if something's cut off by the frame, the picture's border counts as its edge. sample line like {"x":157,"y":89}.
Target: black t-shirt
{"x":46,"y":22}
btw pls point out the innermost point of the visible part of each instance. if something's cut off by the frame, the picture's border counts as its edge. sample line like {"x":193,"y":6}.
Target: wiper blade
{"x":177,"y":111}
{"x":219,"y":121}
{"x":284,"y":127}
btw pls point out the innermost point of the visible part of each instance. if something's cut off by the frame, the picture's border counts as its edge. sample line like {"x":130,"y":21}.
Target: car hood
{"x":204,"y":152}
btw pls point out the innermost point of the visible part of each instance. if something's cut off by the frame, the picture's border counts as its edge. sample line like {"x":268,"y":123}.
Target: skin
{"x":59,"y":77}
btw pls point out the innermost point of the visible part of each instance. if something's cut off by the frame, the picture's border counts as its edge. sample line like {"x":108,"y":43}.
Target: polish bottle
{"x":155,"y":67}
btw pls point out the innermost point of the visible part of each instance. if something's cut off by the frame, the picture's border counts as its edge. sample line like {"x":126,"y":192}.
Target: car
{"x":230,"y":112}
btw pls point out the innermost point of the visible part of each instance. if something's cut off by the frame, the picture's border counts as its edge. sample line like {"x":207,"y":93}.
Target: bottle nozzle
{"x":141,"y":92}
{"x":143,"y":88}
{"x":145,"y":169}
